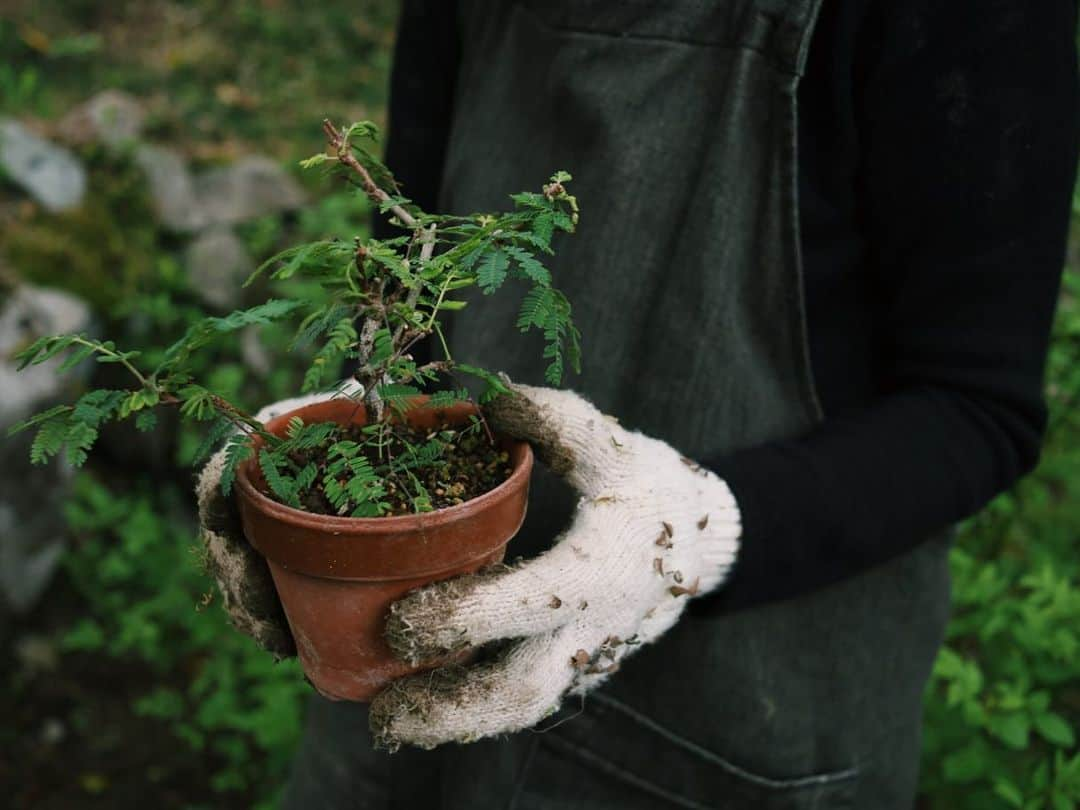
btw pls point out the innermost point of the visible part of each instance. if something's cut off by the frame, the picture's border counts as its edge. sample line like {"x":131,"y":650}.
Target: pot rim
{"x":337,"y":524}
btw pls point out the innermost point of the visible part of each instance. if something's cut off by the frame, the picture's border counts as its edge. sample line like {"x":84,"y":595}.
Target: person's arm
{"x":968,"y":126}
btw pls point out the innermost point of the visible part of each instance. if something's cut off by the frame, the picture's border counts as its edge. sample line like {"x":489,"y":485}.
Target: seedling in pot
{"x":383,"y":298}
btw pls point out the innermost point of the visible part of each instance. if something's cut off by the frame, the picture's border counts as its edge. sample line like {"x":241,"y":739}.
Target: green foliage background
{"x":221,"y":79}
{"x":1003,"y":706}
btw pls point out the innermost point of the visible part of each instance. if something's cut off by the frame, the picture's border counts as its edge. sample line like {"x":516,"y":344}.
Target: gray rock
{"x":32,"y":528}
{"x":49,"y":173}
{"x":36,"y":653}
{"x":29,"y":313}
{"x":252,"y":187}
{"x":171,"y":188}
{"x":112,"y":117}
{"x":53,"y":731}
{"x":217,"y":265}
{"x":254,"y":353}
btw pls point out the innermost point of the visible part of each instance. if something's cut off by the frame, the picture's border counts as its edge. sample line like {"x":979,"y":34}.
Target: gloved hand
{"x":241,"y":573}
{"x":652,"y":530}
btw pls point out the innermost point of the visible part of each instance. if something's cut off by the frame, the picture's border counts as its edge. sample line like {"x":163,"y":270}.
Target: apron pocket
{"x":610,"y":757}
{"x":684,"y":22}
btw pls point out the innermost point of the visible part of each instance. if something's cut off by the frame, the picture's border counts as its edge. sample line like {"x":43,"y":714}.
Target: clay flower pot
{"x":337,"y":576}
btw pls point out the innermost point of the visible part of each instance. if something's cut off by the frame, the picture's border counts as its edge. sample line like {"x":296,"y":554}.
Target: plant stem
{"x":442,"y":340}
{"x":438,"y":303}
{"x":426,"y":251}
{"x":344,"y":154}
{"x":145,"y":383}
{"x":242,"y":420}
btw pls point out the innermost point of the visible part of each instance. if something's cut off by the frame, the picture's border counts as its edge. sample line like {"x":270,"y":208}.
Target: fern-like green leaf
{"x":536,"y":308}
{"x":81,"y":353}
{"x":558,"y":331}
{"x":351,"y":483}
{"x":317,"y":324}
{"x":491,"y":272}
{"x":45,"y":349}
{"x":339,"y":340}
{"x":534,"y":241}
{"x":361,"y":129}
{"x":237,"y":451}
{"x":307,"y":437}
{"x":390,"y":202}
{"x":27,"y":355}
{"x":209,"y":329}
{"x":563,"y":221}
{"x":530,"y":267}
{"x":495,"y":386}
{"x":96,"y":407}
{"x":219,"y":429}
{"x":530,"y":199}
{"x":547,"y":309}
{"x":49,"y":439}
{"x":284,"y":486}
{"x":447,"y":398}
{"x":196,"y":402}
{"x":38,"y":418}
{"x":392,"y":262}
{"x":544,"y":228}
{"x":79,"y":439}
{"x":146,"y":421}
{"x":306,"y":257}
{"x":264,"y":313}
{"x":369,"y":508}
{"x":417,"y":457}
{"x":397,"y":395}
{"x":469,"y":260}
{"x":306,"y":477}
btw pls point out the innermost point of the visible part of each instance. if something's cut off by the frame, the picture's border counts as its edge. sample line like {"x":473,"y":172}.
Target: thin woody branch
{"x":340,"y":146}
{"x":427,"y":239}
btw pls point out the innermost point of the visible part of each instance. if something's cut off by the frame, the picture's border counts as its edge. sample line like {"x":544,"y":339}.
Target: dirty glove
{"x":241,"y":573}
{"x":652,"y":530}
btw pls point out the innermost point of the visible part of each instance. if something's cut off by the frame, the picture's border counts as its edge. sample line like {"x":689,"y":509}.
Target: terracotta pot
{"x":337,"y":576}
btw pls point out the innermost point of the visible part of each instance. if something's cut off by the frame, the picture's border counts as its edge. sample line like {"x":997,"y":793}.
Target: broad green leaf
{"x":1054,"y":729}
{"x":966,"y":765}
{"x":1013,"y":729}
{"x":1009,"y":792}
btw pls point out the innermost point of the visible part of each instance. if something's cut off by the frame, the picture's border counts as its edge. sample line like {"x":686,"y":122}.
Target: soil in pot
{"x":469,"y":465}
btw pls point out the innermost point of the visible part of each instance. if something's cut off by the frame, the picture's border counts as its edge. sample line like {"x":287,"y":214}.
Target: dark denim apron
{"x":677,"y":119}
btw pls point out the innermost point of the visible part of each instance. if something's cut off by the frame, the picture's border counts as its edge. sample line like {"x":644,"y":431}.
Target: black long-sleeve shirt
{"x":937,"y":152}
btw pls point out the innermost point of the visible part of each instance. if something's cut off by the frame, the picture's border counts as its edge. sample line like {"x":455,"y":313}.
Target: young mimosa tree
{"x":383,"y":298}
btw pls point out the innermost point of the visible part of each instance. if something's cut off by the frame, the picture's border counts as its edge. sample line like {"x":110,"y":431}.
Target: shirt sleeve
{"x":967,"y":124}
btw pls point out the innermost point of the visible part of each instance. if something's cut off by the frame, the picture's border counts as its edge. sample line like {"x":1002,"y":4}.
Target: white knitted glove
{"x":652,"y":529}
